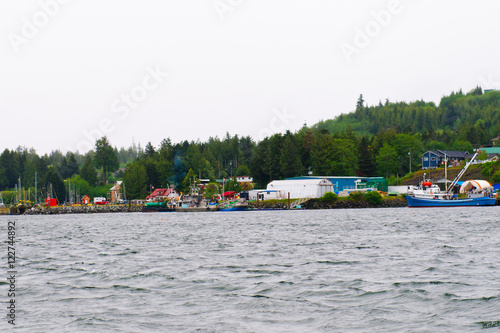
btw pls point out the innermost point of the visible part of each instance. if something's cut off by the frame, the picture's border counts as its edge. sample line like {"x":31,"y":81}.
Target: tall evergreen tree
{"x":88,"y":172}
{"x":64,"y":169}
{"x":136,"y":180}
{"x":190,"y":180}
{"x":58,"y":188}
{"x":387,"y":160}
{"x":366,"y":161}
{"x":105,"y":157}
{"x":290,"y":158}
{"x":360,"y":104}
{"x":149,"y":150}
{"x":72,"y":164}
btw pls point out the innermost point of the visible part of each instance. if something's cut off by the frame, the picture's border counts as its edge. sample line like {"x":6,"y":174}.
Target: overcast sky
{"x":145,"y":70}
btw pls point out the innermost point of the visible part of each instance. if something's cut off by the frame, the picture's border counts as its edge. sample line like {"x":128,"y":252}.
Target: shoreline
{"x":311,"y":204}
{"x":82,"y":210}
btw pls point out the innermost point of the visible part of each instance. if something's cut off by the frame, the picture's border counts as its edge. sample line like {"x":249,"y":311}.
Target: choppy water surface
{"x":380,"y":270}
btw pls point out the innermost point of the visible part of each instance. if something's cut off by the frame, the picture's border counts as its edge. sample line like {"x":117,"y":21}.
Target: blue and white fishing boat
{"x":471,"y":193}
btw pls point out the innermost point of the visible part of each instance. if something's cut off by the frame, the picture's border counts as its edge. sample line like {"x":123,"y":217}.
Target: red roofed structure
{"x":163,"y":193}
{"x":230,"y":195}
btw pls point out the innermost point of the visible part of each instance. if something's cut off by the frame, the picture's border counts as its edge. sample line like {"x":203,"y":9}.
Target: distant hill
{"x":475,"y":112}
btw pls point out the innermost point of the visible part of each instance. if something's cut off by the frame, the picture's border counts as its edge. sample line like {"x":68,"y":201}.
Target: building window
{"x":433,"y":158}
{"x":426,"y":158}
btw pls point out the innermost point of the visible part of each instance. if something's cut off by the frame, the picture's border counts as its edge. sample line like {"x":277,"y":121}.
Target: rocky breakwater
{"x":388,"y":202}
{"x":83,"y":209}
{"x":336,"y":203}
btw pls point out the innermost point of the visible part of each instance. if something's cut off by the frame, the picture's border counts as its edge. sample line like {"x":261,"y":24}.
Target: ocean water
{"x":353,"y":270}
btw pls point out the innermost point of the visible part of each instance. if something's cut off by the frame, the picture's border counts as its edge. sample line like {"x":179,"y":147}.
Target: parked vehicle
{"x":100,"y":201}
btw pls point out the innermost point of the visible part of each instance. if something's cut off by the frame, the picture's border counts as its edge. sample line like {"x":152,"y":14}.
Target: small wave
{"x":77,"y":269}
{"x":371,"y":293}
{"x":119,"y":286}
{"x":233,"y":267}
{"x":342,"y":262}
{"x":423,"y":283}
{"x":117,"y":254}
{"x":144,"y":275}
{"x":487,"y":299}
{"x":413,"y":291}
{"x":489,"y":324}
{"x":286,"y":282}
{"x":263,"y":271}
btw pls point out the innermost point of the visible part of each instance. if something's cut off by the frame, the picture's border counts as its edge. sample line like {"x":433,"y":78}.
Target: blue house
{"x":433,"y":159}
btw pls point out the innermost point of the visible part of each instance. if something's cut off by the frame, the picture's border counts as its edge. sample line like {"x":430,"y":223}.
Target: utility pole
{"x":409,"y":153}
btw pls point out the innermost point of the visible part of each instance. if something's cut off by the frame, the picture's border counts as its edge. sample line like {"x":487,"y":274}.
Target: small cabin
{"x":86,"y":200}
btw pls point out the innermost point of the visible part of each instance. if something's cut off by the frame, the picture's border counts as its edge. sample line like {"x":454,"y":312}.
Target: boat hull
{"x":423,"y":202}
{"x":196,"y":209}
{"x":234,"y":209}
{"x":153,"y":209}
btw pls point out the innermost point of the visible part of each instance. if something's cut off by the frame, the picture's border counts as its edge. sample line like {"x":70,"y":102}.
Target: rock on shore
{"x":82,"y":210}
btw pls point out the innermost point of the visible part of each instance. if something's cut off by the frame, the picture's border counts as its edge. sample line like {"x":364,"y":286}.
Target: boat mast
{"x":20,"y":191}
{"x":457,"y":178}
{"x":445,"y":172}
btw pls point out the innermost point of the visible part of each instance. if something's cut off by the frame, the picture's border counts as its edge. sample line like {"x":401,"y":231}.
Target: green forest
{"x":379,"y":140}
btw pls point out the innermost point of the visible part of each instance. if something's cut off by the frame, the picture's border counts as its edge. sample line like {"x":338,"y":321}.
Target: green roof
{"x":491,"y":150}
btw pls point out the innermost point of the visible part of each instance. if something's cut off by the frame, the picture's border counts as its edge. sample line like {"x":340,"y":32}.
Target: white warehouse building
{"x":302,"y":188}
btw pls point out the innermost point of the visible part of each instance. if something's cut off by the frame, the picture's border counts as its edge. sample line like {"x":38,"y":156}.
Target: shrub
{"x":356,"y":196}
{"x":495,"y":178}
{"x":374,"y":197}
{"x":329,"y":197}
{"x":392,"y":181}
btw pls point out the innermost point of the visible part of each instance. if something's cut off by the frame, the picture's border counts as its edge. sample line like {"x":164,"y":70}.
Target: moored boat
{"x":471,"y":193}
{"x":431,"y":196}
{"x":234,"y":205}
{"x":157,"y":206}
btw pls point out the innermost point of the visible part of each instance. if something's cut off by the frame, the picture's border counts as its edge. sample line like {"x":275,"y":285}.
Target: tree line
{"x":473,"y":117}
{"x":382,"y":140}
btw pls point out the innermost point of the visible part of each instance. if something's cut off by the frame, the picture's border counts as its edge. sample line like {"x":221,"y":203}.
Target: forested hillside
{"x":473,"y":117}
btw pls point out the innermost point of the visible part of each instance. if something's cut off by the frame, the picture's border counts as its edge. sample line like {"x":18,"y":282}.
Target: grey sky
{"x":74,"y":69}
